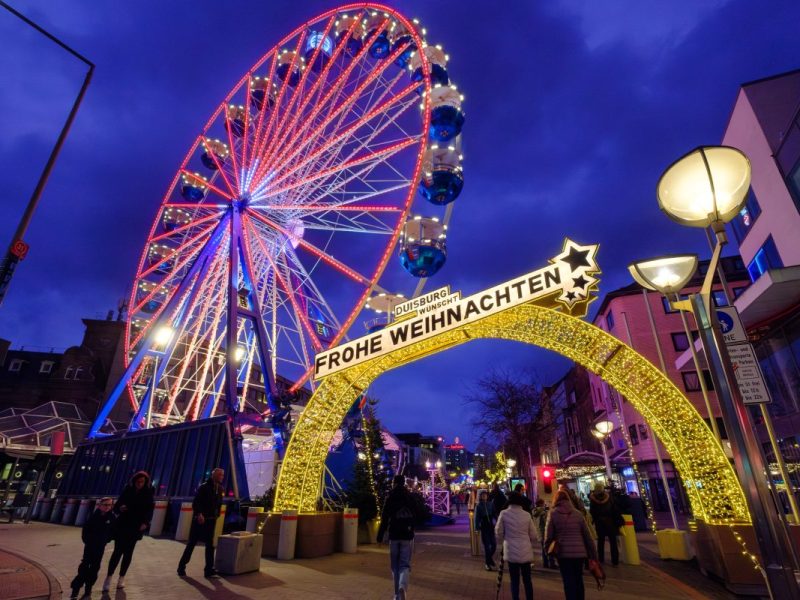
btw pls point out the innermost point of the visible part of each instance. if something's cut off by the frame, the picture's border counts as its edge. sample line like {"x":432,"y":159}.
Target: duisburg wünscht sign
{"x":565,"y":283}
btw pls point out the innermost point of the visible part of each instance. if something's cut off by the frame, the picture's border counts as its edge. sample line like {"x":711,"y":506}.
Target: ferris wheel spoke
{"x":195,"y":239}
{"x":290,"y":293}
{"x":207,"y":184}
{"x":342,"y":138}
{"x":184,"y":228}
{"x":337,"y":84}
{"x":307,"y":281}
{"x":340,"y":266}
{"x":260,"y":128}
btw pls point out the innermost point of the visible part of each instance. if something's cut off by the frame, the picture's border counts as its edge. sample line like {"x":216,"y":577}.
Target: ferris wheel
{"x":281,"y":219}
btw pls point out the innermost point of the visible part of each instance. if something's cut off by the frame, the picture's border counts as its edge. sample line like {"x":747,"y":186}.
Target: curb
{"x":55,"y":586}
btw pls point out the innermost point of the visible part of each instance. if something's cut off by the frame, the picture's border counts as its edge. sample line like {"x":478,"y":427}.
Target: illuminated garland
{"x":712,"y":486}
{"x":745,"y":552}
{"x":575,"y":471}
{"x":368,"y":452}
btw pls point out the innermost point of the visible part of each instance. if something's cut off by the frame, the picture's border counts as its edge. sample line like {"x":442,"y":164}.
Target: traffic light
{"x":547,"y":479}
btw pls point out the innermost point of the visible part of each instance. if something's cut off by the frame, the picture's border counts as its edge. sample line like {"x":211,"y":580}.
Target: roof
{"x":32,"y":429}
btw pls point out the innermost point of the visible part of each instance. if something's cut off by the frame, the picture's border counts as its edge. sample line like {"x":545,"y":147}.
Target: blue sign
{"x":725,"y":321}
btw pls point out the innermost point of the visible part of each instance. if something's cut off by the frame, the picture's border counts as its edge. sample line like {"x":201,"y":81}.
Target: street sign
{"x":745,"y":363}
{"x":732,"y":329}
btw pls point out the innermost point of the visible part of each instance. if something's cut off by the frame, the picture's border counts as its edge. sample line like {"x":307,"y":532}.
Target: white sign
{"x":568,"y":280}
{"x":731,"y":325}
{"x":748,"y":374}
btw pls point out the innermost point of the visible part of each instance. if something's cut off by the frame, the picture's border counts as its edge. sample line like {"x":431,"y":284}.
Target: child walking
{"x":96,"y":534}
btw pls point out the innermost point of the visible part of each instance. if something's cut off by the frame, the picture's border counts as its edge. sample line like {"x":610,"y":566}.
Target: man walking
{"x":206,"y":508}
{"x":484,"y":524}
{"x":398,"y":517}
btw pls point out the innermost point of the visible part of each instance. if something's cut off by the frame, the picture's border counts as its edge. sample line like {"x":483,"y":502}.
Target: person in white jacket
{"x":516,"y":535}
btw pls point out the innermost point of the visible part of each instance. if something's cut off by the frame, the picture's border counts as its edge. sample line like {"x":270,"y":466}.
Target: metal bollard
{"x":37,"y":507}
{"x":288,"y":535}
{"x":159,"y":516}
{"x":629,"y":546}
{"x":474,"y":546}
{"x":219,"y":524}
{"x":46,"y":508}
{"x":350,"y":531}
{"x":184,"y":522}
{"x":70,"y":509}
{"x":55,"y":516}
{"x":84,"y":512}
{"x":252,"y":518}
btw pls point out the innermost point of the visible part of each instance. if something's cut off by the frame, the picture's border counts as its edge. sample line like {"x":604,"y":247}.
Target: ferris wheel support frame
{"x":236,"y":261}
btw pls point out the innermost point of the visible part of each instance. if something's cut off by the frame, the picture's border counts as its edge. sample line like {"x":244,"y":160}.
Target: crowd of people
{"x":569,"y":537}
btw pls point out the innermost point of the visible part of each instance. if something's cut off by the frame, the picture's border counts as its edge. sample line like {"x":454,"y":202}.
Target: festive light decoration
{"x":711,"y":484}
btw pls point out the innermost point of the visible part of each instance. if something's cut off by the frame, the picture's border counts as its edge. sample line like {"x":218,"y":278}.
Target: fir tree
{"x":371,"y":472}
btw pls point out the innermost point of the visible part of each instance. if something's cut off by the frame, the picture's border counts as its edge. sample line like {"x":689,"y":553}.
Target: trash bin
{"x":350,"y":531}
{"x":238,"y":552}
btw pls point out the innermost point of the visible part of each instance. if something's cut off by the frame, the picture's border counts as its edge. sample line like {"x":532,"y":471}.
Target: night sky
{"x":573,"y":111}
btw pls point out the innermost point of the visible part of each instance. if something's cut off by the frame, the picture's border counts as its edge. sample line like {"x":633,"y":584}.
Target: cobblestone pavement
{"x":442,"y":568}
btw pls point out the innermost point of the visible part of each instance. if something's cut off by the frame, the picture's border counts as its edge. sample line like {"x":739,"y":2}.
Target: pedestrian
{"x":527,"y":505}
{"x":484,"y":524}
{"x":516,"y":535}
{"x":96,"y":533}
{"x":498,"y":501}
{"x":607,"y":520}
{"x":206,"y":508}
{"x":398,"y":517}
{"x":134,"y":509}
{"x":540,"y":513}
{"x":567,"y":536}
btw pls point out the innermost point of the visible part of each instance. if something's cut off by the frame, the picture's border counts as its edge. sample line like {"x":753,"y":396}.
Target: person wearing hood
{"x":515,"y":533}
{"x":607,"y":520}
{"x":135,"y":510}
{"x":566,"y":531}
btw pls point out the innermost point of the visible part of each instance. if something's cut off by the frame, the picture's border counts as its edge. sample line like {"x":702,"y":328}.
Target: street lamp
{"x":601,"y":430}
{"x":706,"y":188}
{"x":161,"y":340}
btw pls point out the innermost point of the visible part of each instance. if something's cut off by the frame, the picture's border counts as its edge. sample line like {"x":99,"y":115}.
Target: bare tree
{"x":512,"y":413}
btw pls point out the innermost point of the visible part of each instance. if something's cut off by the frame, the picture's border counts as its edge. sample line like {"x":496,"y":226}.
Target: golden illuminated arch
{"x":711,"y":483}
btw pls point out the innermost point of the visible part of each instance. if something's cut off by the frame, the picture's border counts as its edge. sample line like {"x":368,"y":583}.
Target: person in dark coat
{"x":498,"y":501}
{"x":567,"y":528}
{"x":607,"y":520}
{"x":96,"y":533}
{"x":135,"y":510}
{"x":527,"y":505}
{"x":484,"y":524}
{"x":398,"y":517}
{"x":206,"y":509}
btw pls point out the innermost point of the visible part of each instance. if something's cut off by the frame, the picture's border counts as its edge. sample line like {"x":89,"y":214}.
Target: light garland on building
{"x":713,"y":489}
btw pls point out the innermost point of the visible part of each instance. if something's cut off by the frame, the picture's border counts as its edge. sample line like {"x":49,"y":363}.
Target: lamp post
{"x":601,"y":430}
{"x":162,"y":338}
{"x":706,"y":188}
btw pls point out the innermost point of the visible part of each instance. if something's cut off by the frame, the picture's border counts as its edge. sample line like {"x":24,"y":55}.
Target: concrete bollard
{"x":474,"y":535}
{"x":46,"y":509}
{"x":184,"y":522}
{"x":252,"y":518}
{"x":630,"y":549}
{"x":219,"y":524}
{"x":55,"y":515}
{"x":350,"y":531}
{"x":70,"y":509}
{"x":159,"y":516}
{"x":288,"y":535}
{"x":84,"y":512}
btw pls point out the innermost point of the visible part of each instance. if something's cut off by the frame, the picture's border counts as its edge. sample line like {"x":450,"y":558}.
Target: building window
{"x":634,"y":435}
{"x":46,"y":366}
{"x":765,"y":259}
{"x":720,"y":299}
{"x":691,"y":382}
{"x":610,"y":320}
{"x":793,"y":181}
{"x":737,"y":291}
{"x":679,"y":341}
{"x":643,"y":431}
{"x":667,"y":308}
{"x":69,"y":373}
{"x":15,"y":366}
{"x":743,"y":222}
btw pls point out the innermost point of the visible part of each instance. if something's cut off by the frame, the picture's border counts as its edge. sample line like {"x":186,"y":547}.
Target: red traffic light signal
{"x":547,"y":479}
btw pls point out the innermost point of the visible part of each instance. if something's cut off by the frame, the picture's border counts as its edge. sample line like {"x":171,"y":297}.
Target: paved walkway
{"x":443,"y":569}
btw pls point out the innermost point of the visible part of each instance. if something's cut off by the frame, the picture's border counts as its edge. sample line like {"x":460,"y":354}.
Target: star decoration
{"x":570,"y":296}
{"x":580,"y":282}
{"x":577,"y":264}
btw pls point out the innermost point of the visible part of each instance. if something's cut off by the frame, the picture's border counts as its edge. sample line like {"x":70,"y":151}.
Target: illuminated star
{"x":581,"y":281}
{"x":570,"y":296}
{"x":577,"y":258}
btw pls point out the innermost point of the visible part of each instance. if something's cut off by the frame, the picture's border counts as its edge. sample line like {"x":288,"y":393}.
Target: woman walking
{"x":568,"y":536}
{"x":516,"y":535}
{"x":135,"y":509}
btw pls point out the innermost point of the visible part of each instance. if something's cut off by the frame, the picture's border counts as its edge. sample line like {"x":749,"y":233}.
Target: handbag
{"x":596,"y":569}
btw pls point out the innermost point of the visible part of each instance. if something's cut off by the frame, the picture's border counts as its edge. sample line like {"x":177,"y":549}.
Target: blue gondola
{"x":288,"y":68}
{"x":316,"y":40}
{"x":423,"y":259}
{"x":354,"y":42}
{"x":442,"y":186}
{"x":214,"y":155}
{"x":192,"y":189}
